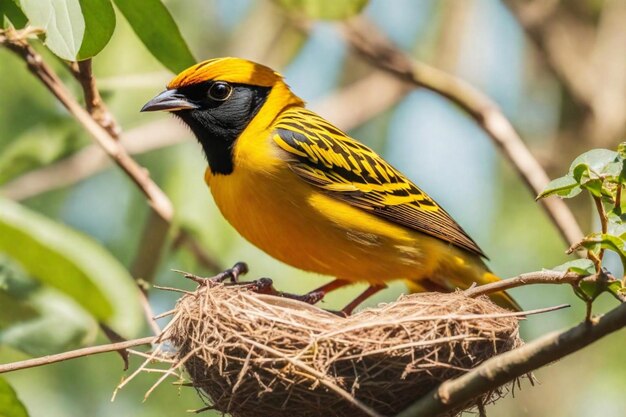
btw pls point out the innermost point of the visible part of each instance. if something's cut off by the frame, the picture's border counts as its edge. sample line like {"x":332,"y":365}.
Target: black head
{"x":217,"y":112}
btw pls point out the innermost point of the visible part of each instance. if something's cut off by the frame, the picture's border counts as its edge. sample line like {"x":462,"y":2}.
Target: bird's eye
{"x":220,"y":91}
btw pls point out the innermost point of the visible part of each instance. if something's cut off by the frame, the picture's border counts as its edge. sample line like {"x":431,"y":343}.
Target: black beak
{"x":169,"y":100}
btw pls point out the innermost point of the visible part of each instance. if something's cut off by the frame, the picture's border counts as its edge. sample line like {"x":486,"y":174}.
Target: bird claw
{"x":232,"y":274}
{"x":240,"y":268}
{"x":312,"y":297}
{"x":266,"y":286}
{"x":259,"y":286}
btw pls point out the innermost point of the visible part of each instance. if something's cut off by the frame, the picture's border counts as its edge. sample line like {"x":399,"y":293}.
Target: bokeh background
{"x":556,"y":68}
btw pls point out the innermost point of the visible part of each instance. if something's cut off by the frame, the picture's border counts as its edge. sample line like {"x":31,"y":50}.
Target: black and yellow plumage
{"x":327,"y":158}
{"x":308,"y":194}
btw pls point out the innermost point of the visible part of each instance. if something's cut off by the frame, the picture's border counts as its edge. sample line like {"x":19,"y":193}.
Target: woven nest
{"x":258,"y":355}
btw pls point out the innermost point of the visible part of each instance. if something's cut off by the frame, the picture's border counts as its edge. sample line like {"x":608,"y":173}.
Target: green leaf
{"x":590,"y":168}
{"x":582,"y":267}
{"x":591,"y":289}
{"x":596,"y":187}
{"x":595,"y":241}
{"x":37,"y":319}
{"x":62,"y":21}
{"x":10,"y":12}
{"x":616,"y":224}
{"x":72,"y":263}
{"x":615,"y":288}
{"x":324,"y":9}
{"x":566,"y":187}
{"x":158,"y":31}
{"x":99,"y":26}
{"x":10,"y":404}
{"x":59,"y":326}
{"x":74,"y":29}
{"x":591,"y":171}
{"x":597,"y":160}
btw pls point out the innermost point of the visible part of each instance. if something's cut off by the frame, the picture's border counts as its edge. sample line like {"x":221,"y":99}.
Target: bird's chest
{"x":274,"y":209}
{"x":268,"y":208}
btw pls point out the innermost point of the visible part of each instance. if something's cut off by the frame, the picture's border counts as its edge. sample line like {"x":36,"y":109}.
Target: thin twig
{"x":604,"y":222}
{"x":370,"y":43}
{"x":115,"y":337}
{"x":539,"y":277}
{"x":93,"y":101}
{"x":504,"y":368}
{"x":73,"y":354}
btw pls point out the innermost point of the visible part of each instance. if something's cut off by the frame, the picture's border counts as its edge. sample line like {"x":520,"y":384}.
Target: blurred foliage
{"x":324,"y":9}
{"x":425,"y":136}
{"x":10,"y":405}
{"x":11,"y":14}
{"x":71,"y":263}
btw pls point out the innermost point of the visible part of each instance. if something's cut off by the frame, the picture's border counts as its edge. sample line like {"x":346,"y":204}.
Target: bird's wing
{"x":325,"y":157}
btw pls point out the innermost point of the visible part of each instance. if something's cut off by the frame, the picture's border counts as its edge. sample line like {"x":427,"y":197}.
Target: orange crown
{"x":232,"y":70}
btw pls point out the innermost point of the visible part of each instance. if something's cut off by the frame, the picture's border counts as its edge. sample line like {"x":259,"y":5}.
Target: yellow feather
{"x":314,"y":198}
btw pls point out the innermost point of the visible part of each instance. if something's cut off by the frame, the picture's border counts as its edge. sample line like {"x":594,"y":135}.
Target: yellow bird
{"x":309,"y":195}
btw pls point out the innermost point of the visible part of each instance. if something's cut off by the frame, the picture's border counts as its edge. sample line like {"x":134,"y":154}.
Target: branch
{"x":504,"y":368}
{"x":73,"y":354}
{"x":95,"y":105}
{"x":370,"y":43}
{"x":529,"y":278}
{"x":15,"y":42}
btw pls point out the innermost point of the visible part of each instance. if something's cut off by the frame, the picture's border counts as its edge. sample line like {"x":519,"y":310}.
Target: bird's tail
{"x":502,"y":298}
{"x":461,"y":274}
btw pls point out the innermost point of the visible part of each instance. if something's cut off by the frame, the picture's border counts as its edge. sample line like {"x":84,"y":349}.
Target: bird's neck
{"x":256,"y":129}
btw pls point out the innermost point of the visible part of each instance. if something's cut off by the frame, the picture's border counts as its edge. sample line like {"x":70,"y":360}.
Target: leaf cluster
{"x":76,"y":30}
{"x":601,"y":173}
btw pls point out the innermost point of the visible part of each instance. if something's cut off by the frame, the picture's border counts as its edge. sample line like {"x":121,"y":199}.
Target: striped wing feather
{"x":324,"y":156}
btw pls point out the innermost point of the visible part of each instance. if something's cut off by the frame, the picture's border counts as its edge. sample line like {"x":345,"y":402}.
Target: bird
{"x":311,"y":196}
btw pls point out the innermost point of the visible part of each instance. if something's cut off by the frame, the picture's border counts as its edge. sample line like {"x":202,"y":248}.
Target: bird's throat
{"x":217,"y":129}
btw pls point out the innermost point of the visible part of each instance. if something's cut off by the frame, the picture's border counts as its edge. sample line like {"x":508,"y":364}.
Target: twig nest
{"x":257,"y":355}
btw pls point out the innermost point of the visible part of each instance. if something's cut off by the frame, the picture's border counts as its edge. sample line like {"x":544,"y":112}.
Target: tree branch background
{"x":553,"y":68}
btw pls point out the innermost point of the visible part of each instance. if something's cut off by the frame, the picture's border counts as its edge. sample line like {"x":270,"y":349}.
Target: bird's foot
{"x":312,"y":297}
{"x":232,"y":274}
{"x":266,"y":286}
{"x":240,"y":268}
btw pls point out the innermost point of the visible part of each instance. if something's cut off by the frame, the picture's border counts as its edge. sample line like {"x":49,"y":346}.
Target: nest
{"x":257,"y":355}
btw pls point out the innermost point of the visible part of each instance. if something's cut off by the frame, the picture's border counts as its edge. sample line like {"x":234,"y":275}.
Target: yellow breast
{"x":295,"y":223}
